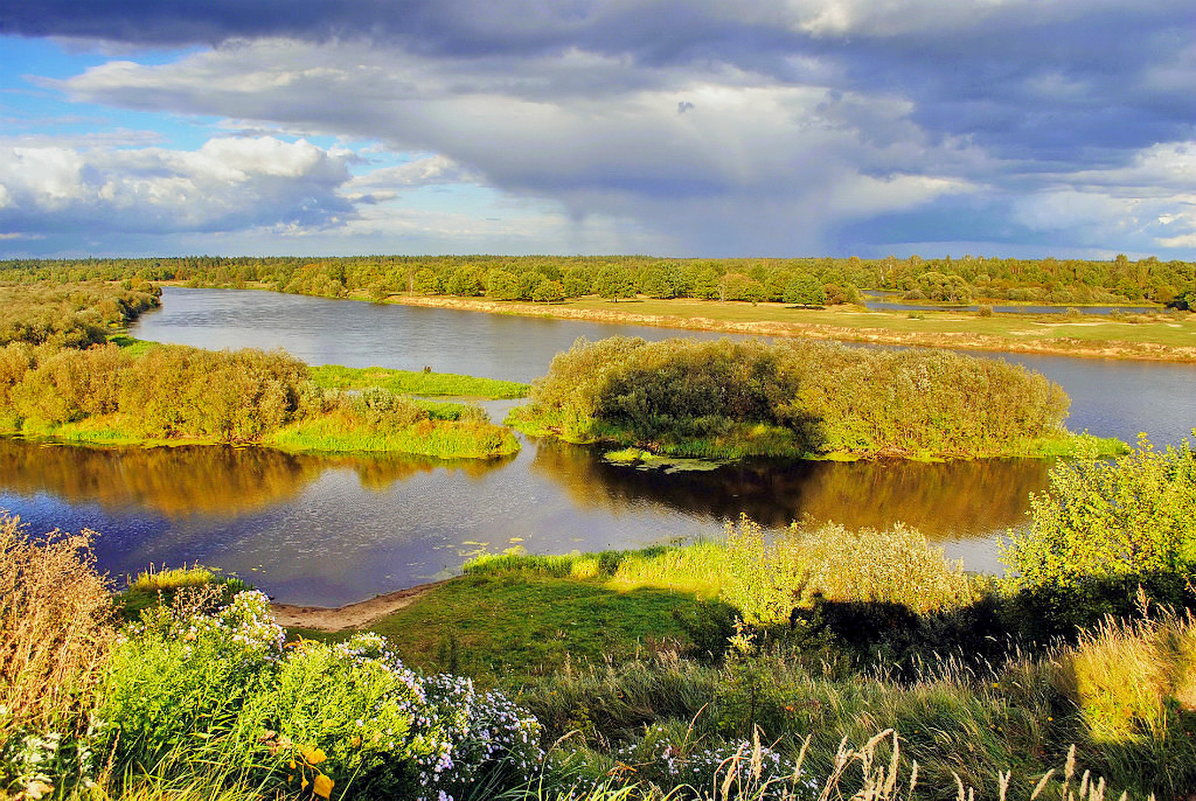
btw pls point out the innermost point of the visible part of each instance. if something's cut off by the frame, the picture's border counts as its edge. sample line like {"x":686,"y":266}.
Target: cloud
{"x":540,"y":130}
{"x":228,"y":184}
{"x":774,"y":127}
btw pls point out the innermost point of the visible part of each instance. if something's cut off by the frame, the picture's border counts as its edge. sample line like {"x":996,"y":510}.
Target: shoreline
{"x":1058,"y":346}
{"x":333,"y":619}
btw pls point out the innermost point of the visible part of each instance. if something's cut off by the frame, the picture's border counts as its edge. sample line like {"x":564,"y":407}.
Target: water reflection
{"x":332,"y":530}
{"x":173,"y":482}
{"x":201,"y":480}
{"x":947,"y":501}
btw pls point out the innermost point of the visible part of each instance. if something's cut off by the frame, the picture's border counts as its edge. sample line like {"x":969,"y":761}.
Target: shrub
{"x":768,"y":579}
{"x":693,"y":398}
{"x":183,"y":672}
{"x":1109,"y":523}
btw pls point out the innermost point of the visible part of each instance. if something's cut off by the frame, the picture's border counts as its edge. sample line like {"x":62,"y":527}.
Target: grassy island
{"x":175,"y":395}
{"x":727,"y":400}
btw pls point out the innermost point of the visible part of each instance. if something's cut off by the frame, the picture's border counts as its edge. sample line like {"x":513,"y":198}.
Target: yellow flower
{"x":322,"y":786}
{"x":314,"y":756}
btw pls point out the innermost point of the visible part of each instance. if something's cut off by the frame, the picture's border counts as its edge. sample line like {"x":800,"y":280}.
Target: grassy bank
{"x":1150,"y":337}
{"x":135,"y":393}
{"x":444,"y":439}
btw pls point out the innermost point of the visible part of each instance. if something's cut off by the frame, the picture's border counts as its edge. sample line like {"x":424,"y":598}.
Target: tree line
{"x":802,"y":281}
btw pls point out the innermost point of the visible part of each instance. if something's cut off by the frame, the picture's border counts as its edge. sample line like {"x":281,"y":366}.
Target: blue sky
{"x":670,"y":127}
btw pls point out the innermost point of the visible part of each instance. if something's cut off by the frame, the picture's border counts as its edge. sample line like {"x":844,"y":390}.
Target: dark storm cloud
{"x":1031,"y":80}
{"x":762,"y":127}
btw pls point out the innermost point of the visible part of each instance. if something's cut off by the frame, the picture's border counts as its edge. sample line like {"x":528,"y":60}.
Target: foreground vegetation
{"x":818,"y":664}
{"x":805,"y":399}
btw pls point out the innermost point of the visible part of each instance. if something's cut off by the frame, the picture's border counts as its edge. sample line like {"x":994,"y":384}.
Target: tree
{"x":548,"y":291}
{"x":805,"y":290}
{"x":502,"y":285}
{"x":614,"y":282}
{"x":1132,"y":517}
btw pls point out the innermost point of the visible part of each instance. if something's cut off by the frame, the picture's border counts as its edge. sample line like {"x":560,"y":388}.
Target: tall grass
{"x":1135,"y":680}
{"x":56,"y":623}
{"x":163,"y":579}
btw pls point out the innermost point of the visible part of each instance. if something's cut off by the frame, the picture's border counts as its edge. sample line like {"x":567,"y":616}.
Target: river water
{"x":331,"y":530}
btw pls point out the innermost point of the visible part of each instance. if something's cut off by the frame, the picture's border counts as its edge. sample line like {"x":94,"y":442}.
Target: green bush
{"x":182,"y":674}
{"x":767,"y":578}
{"x":693,"y":398}
{"x":191,"y":685}
{"x":1102,"y":529}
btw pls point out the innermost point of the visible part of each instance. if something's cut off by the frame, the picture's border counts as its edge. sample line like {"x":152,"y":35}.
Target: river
{"x":332,"y":530}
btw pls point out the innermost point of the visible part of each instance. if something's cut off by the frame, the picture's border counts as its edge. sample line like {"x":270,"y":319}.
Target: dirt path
{"x":350,"y":616}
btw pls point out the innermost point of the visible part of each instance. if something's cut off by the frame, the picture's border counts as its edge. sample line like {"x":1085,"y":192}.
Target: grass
{"x":443,"y":439}
{"x":1162,"y":336}
{"x":56,"y":624}
{"x":332,"y":376}
{"x":158,"y":580}
{"x":1134,"y":679}
{"x":524,"y":623}
{"x":132,"y":345}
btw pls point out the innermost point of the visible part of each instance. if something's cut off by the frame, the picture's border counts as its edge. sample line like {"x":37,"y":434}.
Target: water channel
{"x":334,"y":529}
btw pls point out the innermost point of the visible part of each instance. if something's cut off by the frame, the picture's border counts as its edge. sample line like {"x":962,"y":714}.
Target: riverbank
{"x":1167,"y":338}
{"x":136,"y":393}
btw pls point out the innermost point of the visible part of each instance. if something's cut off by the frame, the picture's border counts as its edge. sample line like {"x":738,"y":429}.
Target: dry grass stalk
{"x":56,"y":623}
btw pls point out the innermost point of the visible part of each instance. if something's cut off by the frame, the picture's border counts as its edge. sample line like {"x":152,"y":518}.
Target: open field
{"x":1159,"y":337}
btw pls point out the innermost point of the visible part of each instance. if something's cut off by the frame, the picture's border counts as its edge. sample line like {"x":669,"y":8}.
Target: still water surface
{"x":331,"y":530}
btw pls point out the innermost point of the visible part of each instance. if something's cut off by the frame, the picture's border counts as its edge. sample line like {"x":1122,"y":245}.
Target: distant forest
{"x":809,"y":281}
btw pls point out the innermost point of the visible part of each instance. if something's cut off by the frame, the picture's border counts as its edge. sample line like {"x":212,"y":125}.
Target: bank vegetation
{"x":728,"y":399}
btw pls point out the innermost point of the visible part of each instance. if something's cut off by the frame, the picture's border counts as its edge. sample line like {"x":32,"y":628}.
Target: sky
{"x":770,"y":128}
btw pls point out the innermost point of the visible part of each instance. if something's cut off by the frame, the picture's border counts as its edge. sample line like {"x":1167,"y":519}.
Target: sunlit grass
{"x":409,"y":382}
{"x":339,"y":433}
{"x":162,"y":579}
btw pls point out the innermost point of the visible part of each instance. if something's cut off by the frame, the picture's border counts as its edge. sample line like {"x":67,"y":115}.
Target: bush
{"x":191,"y":684}
{"x":1128,"y":520}
{"x":730,"y":399}
{"x":768,"y":578}
{"x":183,"y":672}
